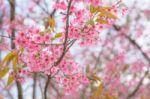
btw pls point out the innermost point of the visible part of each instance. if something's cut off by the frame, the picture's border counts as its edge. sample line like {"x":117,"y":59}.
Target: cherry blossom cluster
{"x":36,"y":49}
{"x":40,"y":53}
{"x":70,"y":75}
{"x":82,"y":22}
{"x":47,"y":51}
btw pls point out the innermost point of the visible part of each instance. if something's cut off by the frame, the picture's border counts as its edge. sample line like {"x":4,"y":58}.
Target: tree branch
{"x":12,"y":18}
{"x":64,"y":49}
{"x":145,"y":73}
{"x":46,"y":86}
{"x":144,"y":55}
{"x":34,"y":85}
{"x":66,"y":34}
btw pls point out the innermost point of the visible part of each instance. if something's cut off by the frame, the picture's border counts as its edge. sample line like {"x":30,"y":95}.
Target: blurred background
{"x":121,"y":59}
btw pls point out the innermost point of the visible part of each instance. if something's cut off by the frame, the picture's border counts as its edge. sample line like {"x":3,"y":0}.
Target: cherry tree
{"x":72,"y":49}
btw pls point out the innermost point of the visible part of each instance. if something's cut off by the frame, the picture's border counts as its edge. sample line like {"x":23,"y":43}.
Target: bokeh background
{"x":128,"y":39}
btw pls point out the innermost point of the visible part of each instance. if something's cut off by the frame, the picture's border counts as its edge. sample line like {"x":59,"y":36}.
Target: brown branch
{"x":19,"y":89}
{"x":64,"y":49}
{"x":54,"y":11}
{"x":145,"y":73}
{"x":56,"y":90}
{"x":66,"y":34}
{"x":144,"y":55}
{"x":6,"y":37}
{"x":46,"y":86}
{"x":49,"y":76}
{"x":40,"y":86}
{"x":51,"y":15}
{"x":12,"y":18}
{"x":70,"y":44}
{"x":34,"y":86}
{"x":43,"y":9}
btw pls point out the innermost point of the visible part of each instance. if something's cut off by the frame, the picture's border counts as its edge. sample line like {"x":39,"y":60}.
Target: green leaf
{"x":91,"y":22}
{"x":97,"y":93}
{"x":93,"y":9}
{"x":3,"y":72}
{"x":102,"y":21}
{"x":98,"y":9}
{"x":21,"y":49}
{"x":7,"y":59}
{"x":58,"y":35}
{"x":103,"y":9}
{"x":10,"y":80}
{"x":96,"y":78}
{"x":51,"y":22}
{"x":108,"y":15}
{"x":15,"y":62}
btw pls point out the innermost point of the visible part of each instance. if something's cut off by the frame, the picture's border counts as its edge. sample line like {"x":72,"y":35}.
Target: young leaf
{"x":103,"y":9}
{"x":108,"y":96}
{"x":93,"y":9}
{"x":108,"y":15}
{"x":21,"y":49}
{"x":97,"y":93}
{"x":102,"y":21}
{"x":96,"y":78}
{"x":10,"y":80}
{"x":3,"y":72}
{"x":15,"y":62}
{"x":100,"y":89}
{"x":7,"y":59}
{"x":51,"y":22}
{"x":91,"y":22}
{"x":58,"y":35}
{"x":125,"y":67}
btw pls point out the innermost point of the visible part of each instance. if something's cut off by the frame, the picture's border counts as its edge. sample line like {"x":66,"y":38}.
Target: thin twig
{"x":66,"y":34}
{"x":38,"y":3}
